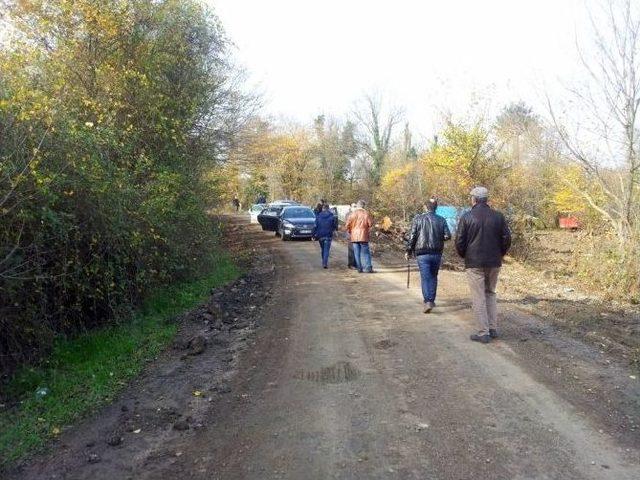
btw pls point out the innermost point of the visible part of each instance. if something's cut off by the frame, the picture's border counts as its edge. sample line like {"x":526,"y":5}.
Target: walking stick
{"x":408,"y":271}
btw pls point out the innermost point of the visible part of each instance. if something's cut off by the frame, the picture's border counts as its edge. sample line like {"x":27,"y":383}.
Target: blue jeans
{"x":325,"y":246}
{"x":429,"y":266}
{"x":362,"y":248}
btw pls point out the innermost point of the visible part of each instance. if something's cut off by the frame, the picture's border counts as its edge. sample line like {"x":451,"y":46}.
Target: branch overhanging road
{"x":347,"y":378}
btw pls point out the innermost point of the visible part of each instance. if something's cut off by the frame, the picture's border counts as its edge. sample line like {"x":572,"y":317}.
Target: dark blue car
{"x":296,"y":221}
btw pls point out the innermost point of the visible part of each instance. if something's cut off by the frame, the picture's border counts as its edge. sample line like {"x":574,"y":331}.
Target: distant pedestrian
{"x":318,"y":208}
{"x":358,"y":227}
{"x":483,"y":239}
{"x":261,"y":199}
{"x":351,"y":259}
{"x":236,"y":203}
{"x":323,"y":232}
{"x":426,"y":240}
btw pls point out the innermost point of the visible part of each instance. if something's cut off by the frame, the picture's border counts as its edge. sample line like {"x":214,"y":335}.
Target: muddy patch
{"x":385,"y":344}
{"x":339,"y":372}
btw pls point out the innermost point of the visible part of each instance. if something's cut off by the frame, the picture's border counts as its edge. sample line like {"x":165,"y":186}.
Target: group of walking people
{"x":482,"y":239}
{"x":358,"y":223}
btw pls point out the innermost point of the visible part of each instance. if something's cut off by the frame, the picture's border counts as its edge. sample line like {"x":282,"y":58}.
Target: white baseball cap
{"x":479,"y":192}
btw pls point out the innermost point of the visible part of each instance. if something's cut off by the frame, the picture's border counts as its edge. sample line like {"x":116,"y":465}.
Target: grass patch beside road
{"x":88,"y":371}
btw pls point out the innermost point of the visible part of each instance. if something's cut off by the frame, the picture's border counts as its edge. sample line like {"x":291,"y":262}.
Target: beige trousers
{"x":482,"y":283}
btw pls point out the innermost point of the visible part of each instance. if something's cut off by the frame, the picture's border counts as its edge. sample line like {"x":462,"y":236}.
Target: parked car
{"x":268,"y":217}
{"x":296,"y":221}
{"x":254,"y":211}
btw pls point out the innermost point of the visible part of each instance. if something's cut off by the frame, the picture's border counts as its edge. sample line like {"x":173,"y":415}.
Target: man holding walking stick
{"x":426,"y":240}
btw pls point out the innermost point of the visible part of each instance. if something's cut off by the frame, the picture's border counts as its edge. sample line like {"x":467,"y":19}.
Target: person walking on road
{"x":426,"y":240}
{"x":483,"y":239}
{"x":325,"y":226}
{"x":318,"y":208}
{"x":236,"y":203}
{"x":351,"y":259}
{"x":358,"y":227}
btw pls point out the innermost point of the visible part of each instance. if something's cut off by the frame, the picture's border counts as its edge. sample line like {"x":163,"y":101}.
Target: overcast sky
{"x":426,"y":56}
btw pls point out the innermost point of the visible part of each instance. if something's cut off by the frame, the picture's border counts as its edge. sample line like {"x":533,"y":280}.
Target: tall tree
{"x":377,"y":125}
{"x":518,"y":128}
{"x":608,"y":110}
{"x":332,"y":149}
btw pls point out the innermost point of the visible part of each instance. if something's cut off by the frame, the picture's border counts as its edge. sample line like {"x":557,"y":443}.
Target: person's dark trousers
{"x":351,"y":258}
{"x":429,"y":266}
{"x":325,"y":246}
{"x":363,"y":256}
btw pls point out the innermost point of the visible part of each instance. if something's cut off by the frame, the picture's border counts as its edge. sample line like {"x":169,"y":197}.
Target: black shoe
{"x":370,"y":271}
{"x":324,"y":266}
{"x":359,"y":270}
{"x":493,"y":333}
{"x":480,"y":338}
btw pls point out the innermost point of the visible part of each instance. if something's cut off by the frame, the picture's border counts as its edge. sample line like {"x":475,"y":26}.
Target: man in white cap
{"x":482,"y":239}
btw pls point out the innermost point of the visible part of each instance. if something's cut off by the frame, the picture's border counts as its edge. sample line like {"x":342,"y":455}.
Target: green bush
{"x":111,"y":115}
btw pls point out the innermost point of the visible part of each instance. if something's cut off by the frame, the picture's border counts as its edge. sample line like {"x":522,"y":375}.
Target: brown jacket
{"x":358,"y":225}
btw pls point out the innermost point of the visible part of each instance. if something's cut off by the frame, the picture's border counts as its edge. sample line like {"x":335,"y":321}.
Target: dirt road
{"x":346,"y":378}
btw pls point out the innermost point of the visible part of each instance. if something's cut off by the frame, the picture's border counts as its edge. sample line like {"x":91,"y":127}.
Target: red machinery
{"x":568,"y":222}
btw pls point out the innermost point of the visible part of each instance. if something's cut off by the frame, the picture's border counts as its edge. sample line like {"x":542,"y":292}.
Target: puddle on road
{"x":339,"y":372}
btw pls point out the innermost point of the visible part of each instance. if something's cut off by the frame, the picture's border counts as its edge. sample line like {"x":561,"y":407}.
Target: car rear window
{"x":298,"y":213}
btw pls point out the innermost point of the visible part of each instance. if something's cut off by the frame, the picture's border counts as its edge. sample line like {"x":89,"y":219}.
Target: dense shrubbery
{"x":111,"y":114}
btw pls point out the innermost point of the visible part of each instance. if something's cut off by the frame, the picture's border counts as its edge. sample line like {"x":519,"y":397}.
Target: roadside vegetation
{"x":115,"y":118}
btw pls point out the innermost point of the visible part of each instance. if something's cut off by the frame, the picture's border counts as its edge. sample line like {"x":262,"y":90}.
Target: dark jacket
{"x":482,"y":237}
{"x":428,"y":234}
{"x":325,"y":224}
